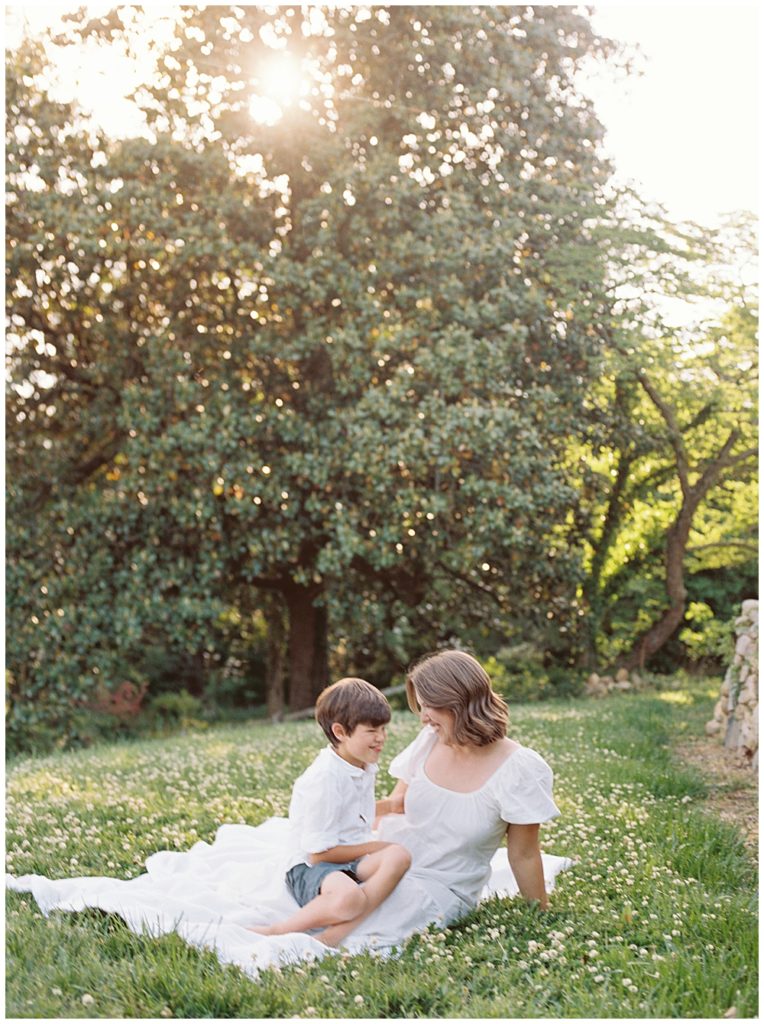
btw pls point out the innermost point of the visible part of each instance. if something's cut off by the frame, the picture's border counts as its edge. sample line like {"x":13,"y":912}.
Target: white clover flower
{"x":358,"y":1000}
{"x":87,"y":999}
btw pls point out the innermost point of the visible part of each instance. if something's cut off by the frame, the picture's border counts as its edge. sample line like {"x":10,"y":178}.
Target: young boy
{"x":339,"y":874}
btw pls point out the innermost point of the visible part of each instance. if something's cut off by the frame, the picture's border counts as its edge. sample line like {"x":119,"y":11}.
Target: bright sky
{"x":685,"y":131}
{"x":688,"y":129}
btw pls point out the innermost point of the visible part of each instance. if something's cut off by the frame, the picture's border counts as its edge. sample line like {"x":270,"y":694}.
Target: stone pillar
{"x":735,"y":718}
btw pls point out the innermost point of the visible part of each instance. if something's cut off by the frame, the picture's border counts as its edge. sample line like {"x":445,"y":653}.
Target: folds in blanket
{"x":212,"y":892}
{"x":238,"y":879}
{"x":149,"y":907}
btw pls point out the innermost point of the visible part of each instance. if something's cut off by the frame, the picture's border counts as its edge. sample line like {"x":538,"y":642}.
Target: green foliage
{"x":238,"y":680}
{"x":523,"y":672}
{"x":333,"y":360}
{"x":667,"y":461}
{"x":523,"y":681}
{"x":178,"y":710}
{"x":518,"y":673}
{"x":706,"y":636}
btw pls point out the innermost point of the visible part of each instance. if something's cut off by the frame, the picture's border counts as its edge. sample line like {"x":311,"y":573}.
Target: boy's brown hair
{"x":350,"y":702}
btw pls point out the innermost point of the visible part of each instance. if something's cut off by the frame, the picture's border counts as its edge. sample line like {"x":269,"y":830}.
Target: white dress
{"x":210,"y":893}
{"x":453,"y":837}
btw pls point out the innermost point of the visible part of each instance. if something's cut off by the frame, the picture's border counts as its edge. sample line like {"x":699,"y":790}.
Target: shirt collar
{"x":351,"y":769}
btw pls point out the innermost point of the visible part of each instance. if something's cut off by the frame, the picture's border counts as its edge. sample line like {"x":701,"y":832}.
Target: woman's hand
{"x":395,"y":803}
{"x":525,"y":860}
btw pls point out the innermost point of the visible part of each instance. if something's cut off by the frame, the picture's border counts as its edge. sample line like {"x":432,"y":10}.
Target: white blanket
{"x":212,"y":892}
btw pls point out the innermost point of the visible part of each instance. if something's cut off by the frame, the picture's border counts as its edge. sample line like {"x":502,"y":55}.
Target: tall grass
{"x":658,"y":919}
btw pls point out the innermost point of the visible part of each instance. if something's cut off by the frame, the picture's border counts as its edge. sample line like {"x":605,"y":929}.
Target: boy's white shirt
{"x":332,"y":805}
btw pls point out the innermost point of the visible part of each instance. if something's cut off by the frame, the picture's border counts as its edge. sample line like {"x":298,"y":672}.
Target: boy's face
{"x":363,"y":745}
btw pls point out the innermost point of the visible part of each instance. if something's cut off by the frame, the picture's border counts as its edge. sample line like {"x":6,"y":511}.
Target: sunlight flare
{"x":280,"y":83}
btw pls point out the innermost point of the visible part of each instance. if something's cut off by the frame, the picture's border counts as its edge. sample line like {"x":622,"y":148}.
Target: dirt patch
{"x":733,"y":785}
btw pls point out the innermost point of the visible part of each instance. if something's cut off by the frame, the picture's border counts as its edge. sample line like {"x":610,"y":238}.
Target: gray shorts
{"x":304,"y":881}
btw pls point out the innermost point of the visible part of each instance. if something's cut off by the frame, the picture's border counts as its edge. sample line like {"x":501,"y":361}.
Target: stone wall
{"x":735,"y":718}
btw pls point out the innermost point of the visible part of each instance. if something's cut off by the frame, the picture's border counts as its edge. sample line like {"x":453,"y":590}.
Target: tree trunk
{"x":678,"y":535}
{"x":307,"y":650}
{"x":275,"y":674}
{"x":195,"y":674}
{"x":657,"y":635}
{"x":592,"y":587}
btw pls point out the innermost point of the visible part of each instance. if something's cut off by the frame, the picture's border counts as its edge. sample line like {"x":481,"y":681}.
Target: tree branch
{"x":718,"y":463}
{"x":675,"y":434}
{"x":475,"y":584}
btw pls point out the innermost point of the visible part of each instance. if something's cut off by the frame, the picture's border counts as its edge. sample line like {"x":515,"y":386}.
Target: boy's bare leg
{"x":379,"y":873}
{"x":340,"y":898}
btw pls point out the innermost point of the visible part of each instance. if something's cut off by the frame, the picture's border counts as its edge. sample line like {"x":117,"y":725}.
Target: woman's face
{"x":441,"y":719}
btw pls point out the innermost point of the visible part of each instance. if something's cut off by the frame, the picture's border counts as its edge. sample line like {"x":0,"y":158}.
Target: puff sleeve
{"x":524,"y":789}
{"x":404,"y":765}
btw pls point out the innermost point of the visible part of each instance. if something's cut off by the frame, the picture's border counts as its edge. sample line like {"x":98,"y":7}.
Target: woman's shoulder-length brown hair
{"x":457,"y":681}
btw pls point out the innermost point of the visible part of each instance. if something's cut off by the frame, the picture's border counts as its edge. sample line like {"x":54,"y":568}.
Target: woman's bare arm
{"x":524,"y":857}
{"x":392,"y":804}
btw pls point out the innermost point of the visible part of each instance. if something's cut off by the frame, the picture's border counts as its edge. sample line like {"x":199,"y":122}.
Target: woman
{"x":463,"y":787}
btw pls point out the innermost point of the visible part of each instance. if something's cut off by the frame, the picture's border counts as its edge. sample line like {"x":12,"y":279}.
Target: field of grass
{"x":658,"y":919}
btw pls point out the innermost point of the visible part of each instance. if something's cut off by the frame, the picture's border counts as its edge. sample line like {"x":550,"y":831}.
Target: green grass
{"x":658,"y":919}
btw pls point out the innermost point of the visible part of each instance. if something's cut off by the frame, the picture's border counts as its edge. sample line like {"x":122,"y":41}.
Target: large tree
{"x":333,"y":359}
